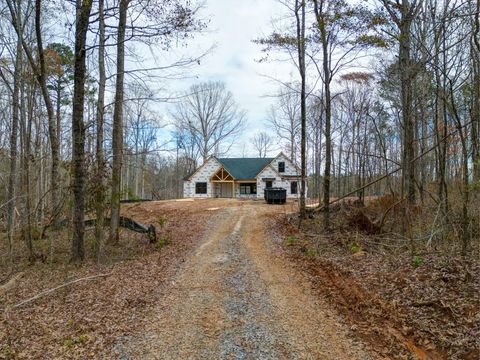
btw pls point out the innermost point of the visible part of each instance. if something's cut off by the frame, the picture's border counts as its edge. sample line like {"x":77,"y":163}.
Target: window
{"x":281,"y":166}
{"x":293,"y":187}
{"x":268,"y":184}
{"x":247,"y":189}
{"x":200,"y":188}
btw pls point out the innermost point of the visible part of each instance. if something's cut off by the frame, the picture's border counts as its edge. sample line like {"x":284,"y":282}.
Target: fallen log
{"x":125,"y":222}
{"x":128,"y":201}
{"x":49,"y":291}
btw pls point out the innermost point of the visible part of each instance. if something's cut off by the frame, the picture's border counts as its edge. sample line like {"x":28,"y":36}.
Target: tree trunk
{"x":475,"y":112}
{"x":117,"y":135}
{"x":52,"y":132}
{"x":300,"y":5}
{"x":322,"y":27}
{"x":13,"y":142}
{"x":406,"y":76}
{"x":100,"y":157}
{"x":78,"y":130}
{"x":58,"y":113}
{"x":465,"y":234}
{"x":26,"y":121}
{"x":328,"y":135}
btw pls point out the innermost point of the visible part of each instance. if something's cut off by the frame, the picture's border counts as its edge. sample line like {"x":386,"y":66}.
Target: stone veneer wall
{"x":203,"y":174}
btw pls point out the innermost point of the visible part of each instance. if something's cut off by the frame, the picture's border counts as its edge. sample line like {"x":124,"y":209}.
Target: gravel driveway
{"x":234,"y":298}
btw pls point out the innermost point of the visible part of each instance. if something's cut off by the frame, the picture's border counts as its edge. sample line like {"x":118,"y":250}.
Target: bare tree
{"x":341,"y":33}
{"x":475,"y":107}
{"x":148,"y":22}
{"x":78,"y":129}
{"x":402,"y":14}
{"x":99,"y":122}
{"x":284,"y":118}
{"x":14,"y":135}
{"x":117,"y":130}
{"x":209,"y":113}
{"x":301,"y":43}
{"x":40,"y":71}
{"x":141,"y":126}
{"x":262,"y":142}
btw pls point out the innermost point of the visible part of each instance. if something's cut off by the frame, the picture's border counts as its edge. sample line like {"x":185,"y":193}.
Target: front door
{"x":226,"y":190}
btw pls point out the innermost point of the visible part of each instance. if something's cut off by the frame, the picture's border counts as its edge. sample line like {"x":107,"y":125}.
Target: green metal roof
{"x":244,"y":168}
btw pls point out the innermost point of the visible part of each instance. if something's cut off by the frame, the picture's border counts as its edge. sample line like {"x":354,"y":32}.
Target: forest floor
{"x":235,"y":279}
{"x":427,"y":305}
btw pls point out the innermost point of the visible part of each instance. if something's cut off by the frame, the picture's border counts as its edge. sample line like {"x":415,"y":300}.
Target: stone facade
{"x":279,"y":179}
{"x":203,"y":174}
{"x":269,"y":173}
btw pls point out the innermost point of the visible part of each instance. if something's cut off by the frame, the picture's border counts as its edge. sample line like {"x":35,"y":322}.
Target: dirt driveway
{"x":235,"y":298}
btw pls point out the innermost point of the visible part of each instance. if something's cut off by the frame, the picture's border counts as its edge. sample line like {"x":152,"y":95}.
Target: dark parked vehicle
{"x":275,"y":195}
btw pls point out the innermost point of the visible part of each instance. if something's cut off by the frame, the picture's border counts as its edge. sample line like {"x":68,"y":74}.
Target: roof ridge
{"x":246,"y":158}
{"x":244,"y":168}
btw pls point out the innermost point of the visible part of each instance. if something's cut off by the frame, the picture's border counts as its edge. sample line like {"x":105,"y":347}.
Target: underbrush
{"x":424,"y":301}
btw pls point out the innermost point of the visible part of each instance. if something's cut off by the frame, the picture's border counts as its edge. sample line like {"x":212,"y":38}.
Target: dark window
{"x":281,"y":166}
{"x":200,"y":188}
{"x":247,"y":189}
{"x":293,"y":187}
{"x":268,"y":184}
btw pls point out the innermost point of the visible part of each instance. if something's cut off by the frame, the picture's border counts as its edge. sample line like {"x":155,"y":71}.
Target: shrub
{"x":312,"y":252}
{"x":355,"y":248}
{"x":417,"y":261}
{"x":161,"y":242}
{"x":291,"y":240}
{"x":162,"y":222}
{"x":69,"y":343}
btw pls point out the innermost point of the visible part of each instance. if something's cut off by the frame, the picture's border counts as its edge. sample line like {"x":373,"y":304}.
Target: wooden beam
{"x":222,"y":175}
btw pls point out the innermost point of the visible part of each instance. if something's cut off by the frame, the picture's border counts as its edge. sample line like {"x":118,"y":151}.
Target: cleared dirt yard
{"x":221,"y":282}
{"x":234,"y":298}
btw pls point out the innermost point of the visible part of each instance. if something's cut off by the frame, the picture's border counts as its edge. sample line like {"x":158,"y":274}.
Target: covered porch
{"x":223,"y":184}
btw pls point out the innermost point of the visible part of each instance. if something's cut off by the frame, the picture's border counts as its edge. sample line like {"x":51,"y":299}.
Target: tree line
{"x":75,"y":110}
{"x":386,"y":101}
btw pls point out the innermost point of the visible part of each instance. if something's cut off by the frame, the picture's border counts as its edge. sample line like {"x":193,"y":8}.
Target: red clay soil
{"x":429,"y":312}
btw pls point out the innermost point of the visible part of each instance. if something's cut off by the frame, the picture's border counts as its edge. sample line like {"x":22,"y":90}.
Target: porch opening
{"x":223,"y":184}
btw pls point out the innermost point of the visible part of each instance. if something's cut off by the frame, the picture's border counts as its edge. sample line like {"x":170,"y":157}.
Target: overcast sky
{"x":233,"y":25}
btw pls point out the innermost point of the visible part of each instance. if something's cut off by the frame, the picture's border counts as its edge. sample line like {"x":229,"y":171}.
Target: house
{"x":242,"y":177}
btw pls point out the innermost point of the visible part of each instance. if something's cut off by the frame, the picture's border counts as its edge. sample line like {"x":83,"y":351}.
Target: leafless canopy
{"x":262,"y":142}
{"x":209,"y":113}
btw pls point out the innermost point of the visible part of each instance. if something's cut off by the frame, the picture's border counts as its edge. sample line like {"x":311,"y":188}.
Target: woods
{"x":401,"y":122}
{"x":344,"y":126}
{"x":385,"y":103}
{"x":45,"y":83}
{"x":140,"y":140}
